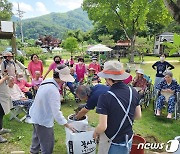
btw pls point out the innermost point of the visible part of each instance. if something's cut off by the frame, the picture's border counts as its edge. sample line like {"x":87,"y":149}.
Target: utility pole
{"x":20,"y":15}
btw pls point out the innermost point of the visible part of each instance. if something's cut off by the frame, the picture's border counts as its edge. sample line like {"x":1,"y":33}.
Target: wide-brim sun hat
{"x":140,"y":71}
{"x":7,"y":53}
{"x":113,"y":70}
{"x":64,"y":74}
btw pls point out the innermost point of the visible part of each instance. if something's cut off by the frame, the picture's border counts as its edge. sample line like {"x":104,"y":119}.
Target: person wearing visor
{"x":161,"y":67}
{"x":94,"y":64}
{"x":46,"y":109}
{"x":8,"y":65}
{"x":57,"y":61}
{"x":120,"y":101}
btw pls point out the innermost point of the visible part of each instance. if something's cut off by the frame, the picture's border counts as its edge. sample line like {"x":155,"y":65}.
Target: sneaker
{"x":28,"y":120}
{"x":2,"y":139}
{"x":4,"y":131}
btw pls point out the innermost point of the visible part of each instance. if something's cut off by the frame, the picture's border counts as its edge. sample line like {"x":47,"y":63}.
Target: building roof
{"x":167,"y":33}
{"x":123,"y":43}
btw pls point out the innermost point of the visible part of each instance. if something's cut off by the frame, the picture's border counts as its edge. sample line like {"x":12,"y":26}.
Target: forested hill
{"x":55,"y":24}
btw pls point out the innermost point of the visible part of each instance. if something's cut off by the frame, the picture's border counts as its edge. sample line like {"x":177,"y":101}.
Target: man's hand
{"x":70,"y":127}
{"x":23,"y":98}
{"x":95,"y":135}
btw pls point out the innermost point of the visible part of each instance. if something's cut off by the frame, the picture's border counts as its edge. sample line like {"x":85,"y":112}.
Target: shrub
{"x":43,"y":58}
{"x":21,"y":59}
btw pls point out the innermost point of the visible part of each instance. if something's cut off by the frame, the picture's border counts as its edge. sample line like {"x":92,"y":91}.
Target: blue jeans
{"x":121,"y":148}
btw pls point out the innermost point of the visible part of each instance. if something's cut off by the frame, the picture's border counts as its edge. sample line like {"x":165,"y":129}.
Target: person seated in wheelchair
{"x":92,"y":78}
{"x":139,"y":82}
{"x":23,"y":85}
{"x":17,"y":96}
{"x":73,"y":85}
{"x":36,"y":82}
{"x":167,"y":89}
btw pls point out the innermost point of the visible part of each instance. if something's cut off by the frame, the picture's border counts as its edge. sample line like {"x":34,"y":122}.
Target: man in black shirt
{"x":161,"y":66}
{"x":117,"y":110}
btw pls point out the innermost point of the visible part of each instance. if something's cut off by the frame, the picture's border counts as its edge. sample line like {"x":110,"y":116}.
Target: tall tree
{"x":5,"y":10}
{"x":129,"y":15}
{"x":70,"y":44}
{"x":174,"y":7}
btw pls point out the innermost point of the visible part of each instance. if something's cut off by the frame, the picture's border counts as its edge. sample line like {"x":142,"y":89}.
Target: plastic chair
{"x":16,"y":111}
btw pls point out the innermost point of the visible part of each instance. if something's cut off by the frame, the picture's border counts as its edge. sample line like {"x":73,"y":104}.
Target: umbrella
{"x":99,"y":47}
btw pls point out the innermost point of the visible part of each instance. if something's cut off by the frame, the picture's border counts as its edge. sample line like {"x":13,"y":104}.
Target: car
{"x":19,"y":52}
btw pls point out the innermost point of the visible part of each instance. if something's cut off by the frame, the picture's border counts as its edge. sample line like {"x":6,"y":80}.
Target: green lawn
{"x":150,"y":127}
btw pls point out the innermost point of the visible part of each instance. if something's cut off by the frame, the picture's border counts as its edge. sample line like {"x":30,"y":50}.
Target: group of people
{"x":115,"y":99}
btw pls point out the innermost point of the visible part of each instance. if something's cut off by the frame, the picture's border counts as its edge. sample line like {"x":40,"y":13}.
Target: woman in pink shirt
{"x":80,"y":69}
{"x":57,"y":61}
{"x":71,"y":61}
{"x":23,"y":85}
{"x":35,"y":65}
{"x":94,"y":64}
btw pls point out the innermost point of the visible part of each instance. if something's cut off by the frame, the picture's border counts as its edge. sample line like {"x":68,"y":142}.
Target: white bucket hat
{"x":140,"y":71}
{"x":113,"y":70}
{"x":64,"y":74}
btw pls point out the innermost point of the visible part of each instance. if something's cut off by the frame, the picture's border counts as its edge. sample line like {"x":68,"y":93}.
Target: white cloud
{"x":41,"y":8}
{"x":69,"y":4}
{"x":23,"y":6}
{"x":38,"y":10}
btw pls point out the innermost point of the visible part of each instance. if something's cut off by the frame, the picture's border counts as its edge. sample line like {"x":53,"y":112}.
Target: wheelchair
{"x":148,"y":94}
{"x":176,"y":107}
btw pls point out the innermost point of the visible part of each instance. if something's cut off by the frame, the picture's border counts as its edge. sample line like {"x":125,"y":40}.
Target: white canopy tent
{"x":99,"y":48}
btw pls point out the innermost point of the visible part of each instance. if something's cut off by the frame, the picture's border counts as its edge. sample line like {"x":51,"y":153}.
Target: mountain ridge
{"x":55,"y":24}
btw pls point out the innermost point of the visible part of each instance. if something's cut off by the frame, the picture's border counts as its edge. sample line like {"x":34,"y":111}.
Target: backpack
{"x":5,"y":62}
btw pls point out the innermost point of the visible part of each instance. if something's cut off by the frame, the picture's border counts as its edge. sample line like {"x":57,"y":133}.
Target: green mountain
{"x":55,"y":24}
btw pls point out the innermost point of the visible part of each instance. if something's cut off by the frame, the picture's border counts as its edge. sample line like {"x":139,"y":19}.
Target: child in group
{"x":36,"y":81}
{"x":92,"y":79}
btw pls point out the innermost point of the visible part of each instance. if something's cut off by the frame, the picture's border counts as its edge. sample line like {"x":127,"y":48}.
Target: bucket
{"x":177,"y":138}
{"x":137,"y":140}
{"x":80,"y":125}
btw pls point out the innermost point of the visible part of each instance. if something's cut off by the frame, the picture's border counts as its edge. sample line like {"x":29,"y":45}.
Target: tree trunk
{"x":131,"y":60}
{"x":174,"y":8}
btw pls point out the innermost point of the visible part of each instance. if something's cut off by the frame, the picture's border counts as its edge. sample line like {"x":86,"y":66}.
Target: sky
{"x":34,"y":8}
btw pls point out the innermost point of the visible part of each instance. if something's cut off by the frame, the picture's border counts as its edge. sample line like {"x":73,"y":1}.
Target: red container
{"x":137,"y":140}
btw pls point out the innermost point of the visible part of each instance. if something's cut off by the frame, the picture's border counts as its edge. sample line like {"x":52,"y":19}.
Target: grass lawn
{"x":152,"y":128}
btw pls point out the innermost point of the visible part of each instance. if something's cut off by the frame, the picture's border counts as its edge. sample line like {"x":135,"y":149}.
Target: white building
{"x":164,"y":37}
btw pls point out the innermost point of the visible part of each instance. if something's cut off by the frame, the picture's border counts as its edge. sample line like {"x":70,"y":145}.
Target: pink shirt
{"x":96,"y":66}
{"x":128,"y":80}
{"x":23,"y":85}
{"x":36,"y":82}
{"x":32,"y":67}
{"x":54,"y":65}
{"x":71,"y":61}
{"x":80,"y":71}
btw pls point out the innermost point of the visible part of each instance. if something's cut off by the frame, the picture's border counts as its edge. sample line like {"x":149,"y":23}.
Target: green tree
{"x":107,"y":40}
{"x":175,"y":46}
{"x":70,"y":44}
{"x":129,"y":15}
{"x":5,"y":10}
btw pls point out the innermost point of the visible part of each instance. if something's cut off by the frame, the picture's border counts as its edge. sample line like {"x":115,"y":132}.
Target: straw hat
{"x":91,"y":69}
{"x":64,"y":74}
{"x":113,"y":70}
{"x":140,"y":71}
